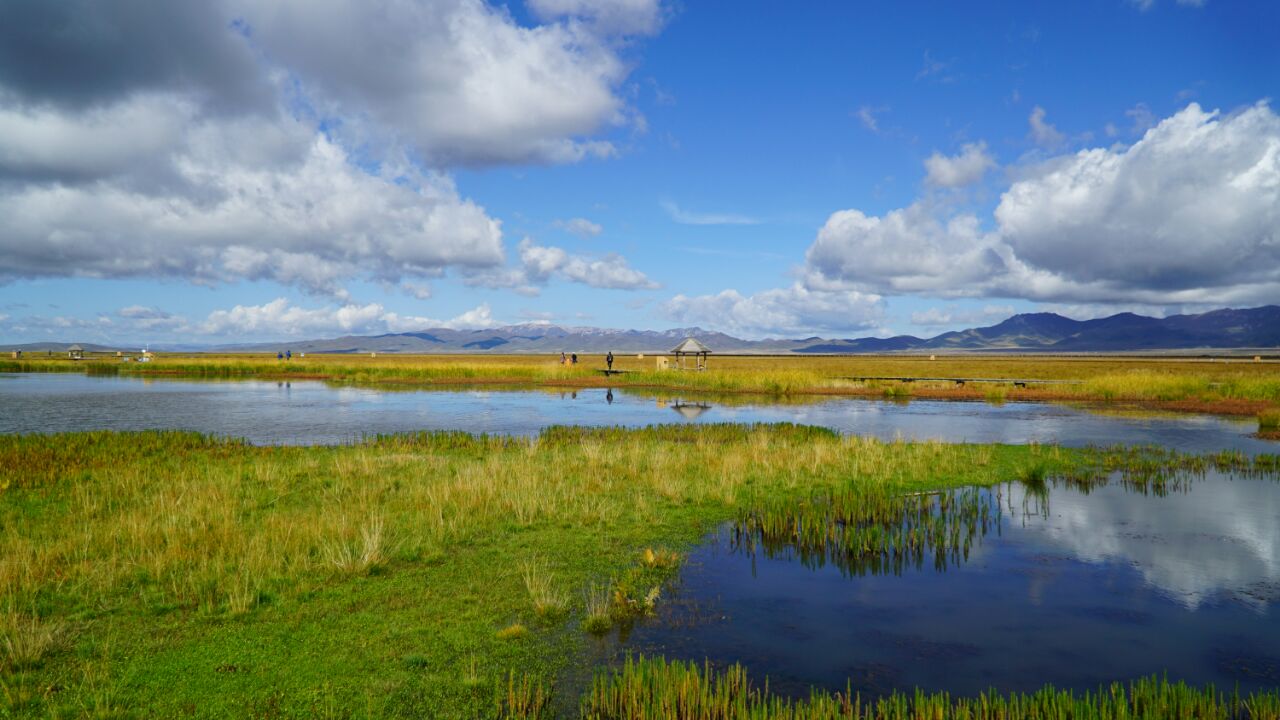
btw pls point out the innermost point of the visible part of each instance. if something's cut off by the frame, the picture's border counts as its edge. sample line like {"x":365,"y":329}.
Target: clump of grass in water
{"x":549,"y":600}
{"x":1269,"y":423}
{"x":525,"y":698}
{"x":871,"y":530}
{"x":659,"y":559}
{"x":654,"y":689}
{"x":598,"y":620}
{"x":997,"y":395}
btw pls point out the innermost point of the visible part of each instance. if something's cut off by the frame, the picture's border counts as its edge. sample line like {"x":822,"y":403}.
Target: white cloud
{"x":1189,"y":211}
{"x":686,"y":217}
{"x":622,"y":17}
{"x":1188,"y":215}
{"x":581,"y":227}
{"x":782,"y":311}
{"x":286,"y":140}
{"x":945,"y":316}
{"x":458,"y":79}
{"x":540,"y":263}
{"x":280,"y":318}
{"x":910,"y":250}
{"x":966,"y":168}
{"x":1043,"y":133}
{"x":229,"y":199}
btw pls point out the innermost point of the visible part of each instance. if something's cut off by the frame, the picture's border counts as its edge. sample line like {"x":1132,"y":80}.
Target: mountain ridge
{"x":1227,"y":328}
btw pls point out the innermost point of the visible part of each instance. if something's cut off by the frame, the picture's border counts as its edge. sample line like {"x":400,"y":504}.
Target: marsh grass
{"x":358,"y":557}
{"x":177,"y":554}
{"x":655,"y":689}
{"x":870,"y":531}
{"x":1269,"y":420}
{"x":598,"y":618}
{"x":525,"y":698}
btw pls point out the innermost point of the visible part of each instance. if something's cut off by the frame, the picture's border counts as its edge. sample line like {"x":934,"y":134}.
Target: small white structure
{"x":75,"y":352}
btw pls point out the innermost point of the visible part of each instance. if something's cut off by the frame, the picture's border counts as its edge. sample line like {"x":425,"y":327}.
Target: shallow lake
{"x":1074,"y":588}
{"x":312,"y":412}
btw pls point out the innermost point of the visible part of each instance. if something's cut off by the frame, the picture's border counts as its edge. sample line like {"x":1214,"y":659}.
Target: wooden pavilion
{"x":691,"y":348}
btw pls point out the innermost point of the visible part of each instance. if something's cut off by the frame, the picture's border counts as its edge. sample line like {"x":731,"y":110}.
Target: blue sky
{"x":766,"y":169}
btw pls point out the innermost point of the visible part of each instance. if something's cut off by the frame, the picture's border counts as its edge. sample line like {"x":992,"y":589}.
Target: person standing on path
{"x":608,"y":360}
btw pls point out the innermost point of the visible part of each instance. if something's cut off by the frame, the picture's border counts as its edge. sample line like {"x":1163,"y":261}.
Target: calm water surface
{"x":313,"y":413}
{"x":1076,"y":590}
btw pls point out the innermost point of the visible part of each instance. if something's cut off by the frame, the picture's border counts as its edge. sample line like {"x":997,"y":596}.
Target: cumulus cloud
{"x":541,"y":263}
{"x":581,"y":227}
{"x":782,"y":311}
{"x":909,"y":250}
{"x":966,"y":168}
{"x":459,"y":79}
{"x":280,"y":318}
{"x":253,"y":198}
{"x":284,"y":140}
{"x":1192,"y":208}
{"x":1189,"y":214}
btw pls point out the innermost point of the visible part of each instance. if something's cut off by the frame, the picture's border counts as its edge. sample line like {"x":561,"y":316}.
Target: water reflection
{"x":308,"y":412}
{"x":1081,"y":586}
{"x":1193,"y":546}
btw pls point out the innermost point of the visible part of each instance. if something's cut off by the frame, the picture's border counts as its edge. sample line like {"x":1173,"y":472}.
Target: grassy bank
{"x":169,"y":574}
{"x":651,"y":689}
{"x":1235,"y":387}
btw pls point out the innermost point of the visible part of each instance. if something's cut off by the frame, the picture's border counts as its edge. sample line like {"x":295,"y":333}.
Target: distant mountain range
{"x":1030,"y":332}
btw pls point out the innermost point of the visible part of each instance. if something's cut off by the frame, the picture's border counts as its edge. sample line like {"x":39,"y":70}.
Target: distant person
{"x":288,"y":354}
{"x":563,"y":360}
{"x":574,"y":358}
{"x":608,"y":360}
{"x":279,"y":356}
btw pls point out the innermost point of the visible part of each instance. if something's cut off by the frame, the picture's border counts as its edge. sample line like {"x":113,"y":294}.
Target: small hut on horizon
{"x":691,"y":347}
{"x":75,"y":352}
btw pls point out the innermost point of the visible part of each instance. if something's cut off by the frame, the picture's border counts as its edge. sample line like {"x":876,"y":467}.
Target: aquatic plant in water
{"x":871,"y":530}
{"x":653,"y":689}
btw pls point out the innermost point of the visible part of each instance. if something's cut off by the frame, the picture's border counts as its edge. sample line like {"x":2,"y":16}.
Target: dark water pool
{"x":1075,"y":589}
{"x":314,"y":413}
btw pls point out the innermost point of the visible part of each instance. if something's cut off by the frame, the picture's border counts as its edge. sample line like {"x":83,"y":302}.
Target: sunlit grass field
{"x":1236,"y":386}
{"x":165,"y":574}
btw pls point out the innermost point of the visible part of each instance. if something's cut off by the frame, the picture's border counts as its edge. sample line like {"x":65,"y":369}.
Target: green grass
{"x":1113,"y":379}
{"x":165,"y":574}
{"x":653,"y":689}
